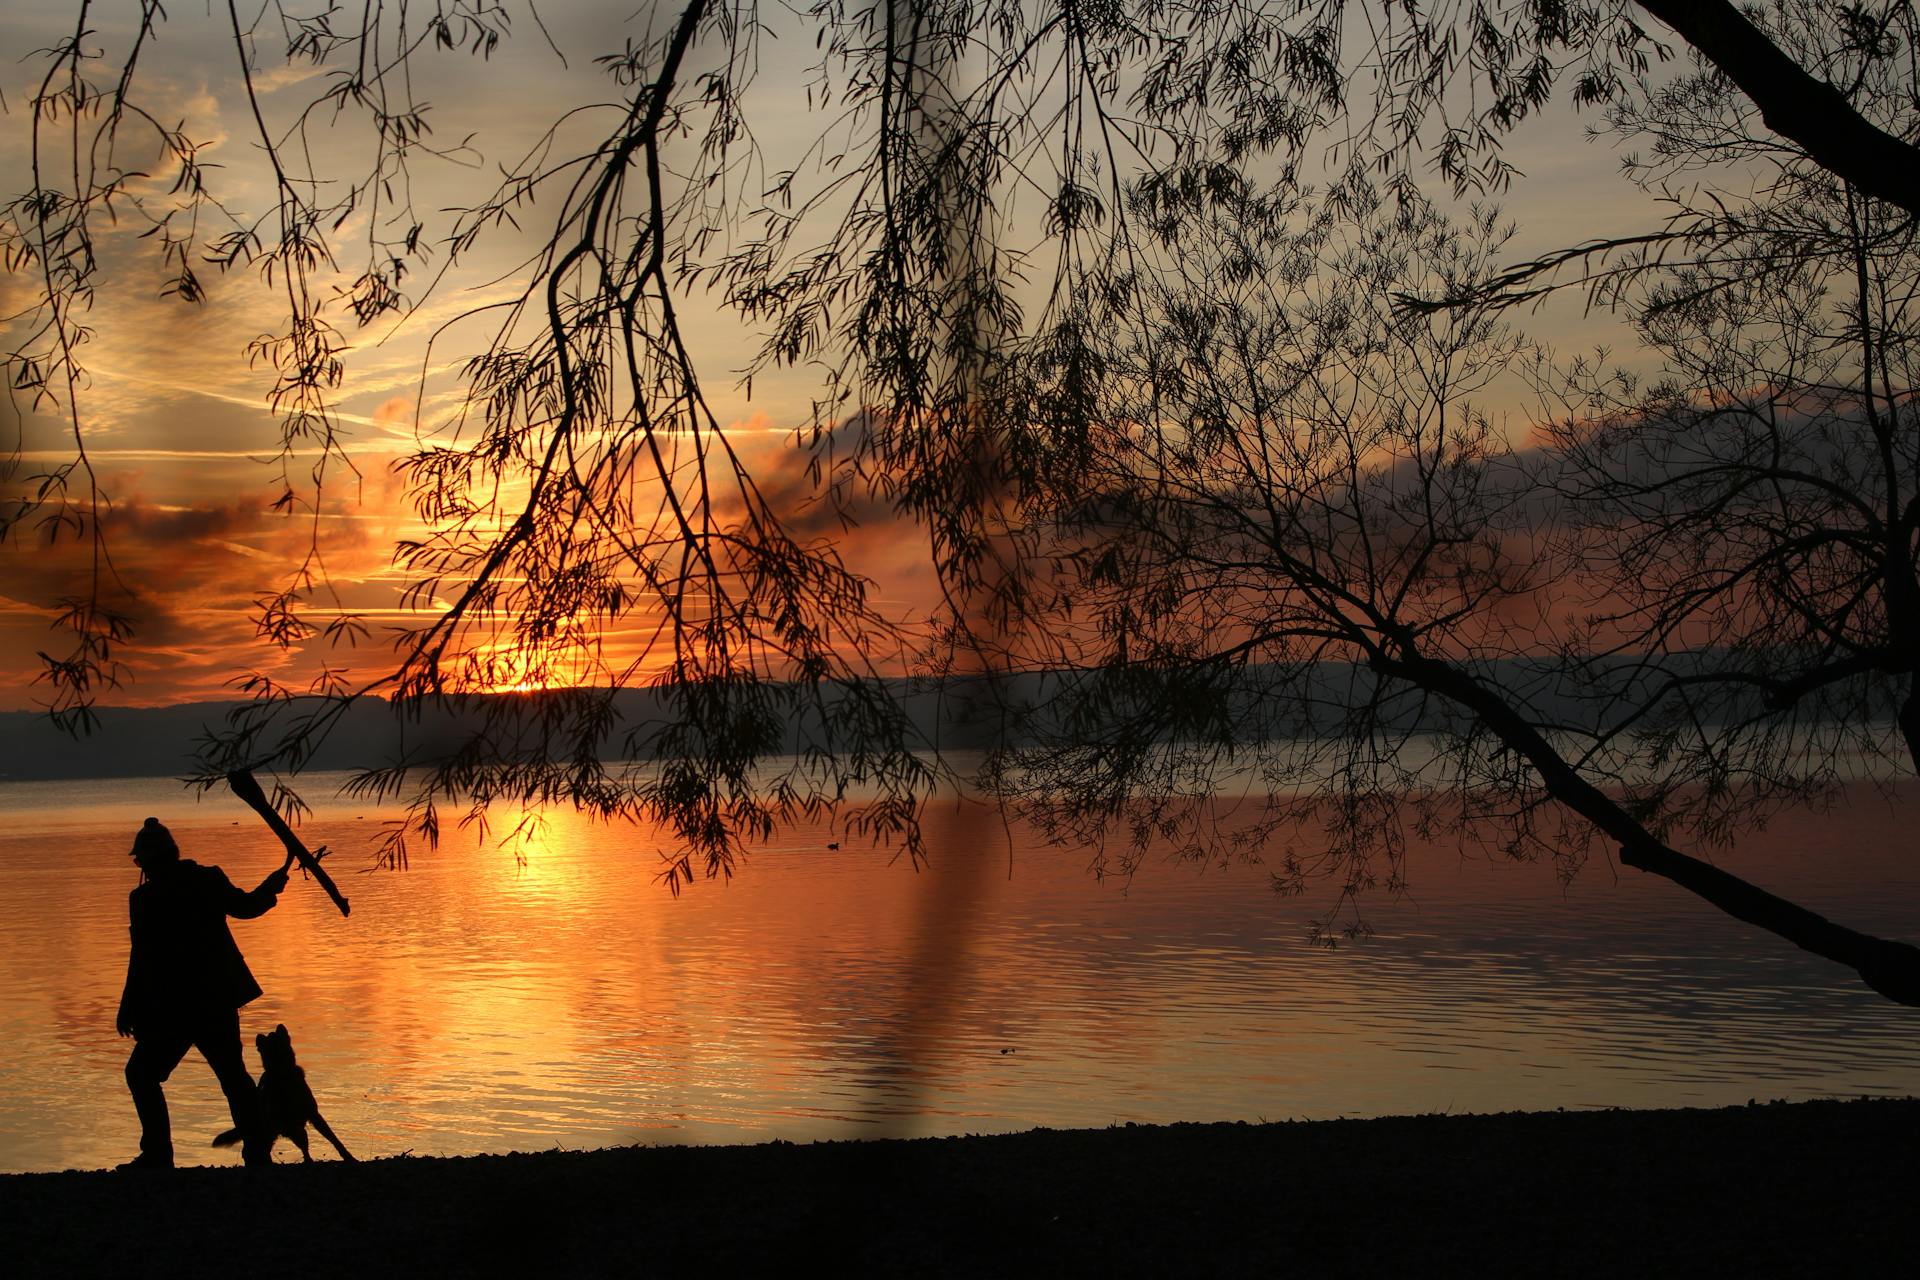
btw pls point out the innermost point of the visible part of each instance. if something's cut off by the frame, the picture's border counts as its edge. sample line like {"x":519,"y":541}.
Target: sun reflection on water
{"x":483,"y":1003}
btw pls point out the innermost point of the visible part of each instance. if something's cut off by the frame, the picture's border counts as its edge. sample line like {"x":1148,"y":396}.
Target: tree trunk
{"x":1794,"y":104}
{"x":1890,"y":968}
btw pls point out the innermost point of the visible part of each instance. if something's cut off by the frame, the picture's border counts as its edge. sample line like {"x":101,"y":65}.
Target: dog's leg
{"x":326,"y":1131}
{"x":299,"y":1135}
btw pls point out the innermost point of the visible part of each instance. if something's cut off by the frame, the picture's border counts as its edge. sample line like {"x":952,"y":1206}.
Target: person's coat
{"x":184,"y":963}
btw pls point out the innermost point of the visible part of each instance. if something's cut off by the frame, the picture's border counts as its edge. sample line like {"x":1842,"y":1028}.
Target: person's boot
{"x":148,"y":1160}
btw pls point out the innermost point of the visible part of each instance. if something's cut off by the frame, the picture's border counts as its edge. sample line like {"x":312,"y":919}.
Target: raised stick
{"x":248,"y":789}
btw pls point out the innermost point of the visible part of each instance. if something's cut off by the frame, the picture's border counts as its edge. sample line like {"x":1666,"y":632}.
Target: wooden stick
{"x":248,"y":789}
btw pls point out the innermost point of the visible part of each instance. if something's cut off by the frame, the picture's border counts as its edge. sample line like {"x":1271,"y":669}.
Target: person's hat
{"x":152,"y":838}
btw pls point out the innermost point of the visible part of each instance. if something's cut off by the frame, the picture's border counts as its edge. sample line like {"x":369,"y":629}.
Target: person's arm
{"x":247,"y":905}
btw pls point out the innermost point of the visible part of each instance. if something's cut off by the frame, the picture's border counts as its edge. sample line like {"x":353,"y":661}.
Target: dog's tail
{"x":230,"y":1137}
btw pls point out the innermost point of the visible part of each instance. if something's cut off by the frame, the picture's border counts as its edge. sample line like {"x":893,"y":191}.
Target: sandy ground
{"x":1809,"y":1189}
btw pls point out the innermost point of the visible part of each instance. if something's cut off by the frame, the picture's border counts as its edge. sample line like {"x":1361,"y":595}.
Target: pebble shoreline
{"x":1808,"y":1188}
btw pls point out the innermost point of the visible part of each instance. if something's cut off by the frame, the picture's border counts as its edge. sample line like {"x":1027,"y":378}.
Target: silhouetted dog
{"x":286,"y":1103}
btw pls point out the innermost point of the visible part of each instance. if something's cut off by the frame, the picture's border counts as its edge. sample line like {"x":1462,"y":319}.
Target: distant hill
{"x":158,"y":742}
{"x":133,"y":742}
{"x":130,"y":742}
{"x":959,"y":714}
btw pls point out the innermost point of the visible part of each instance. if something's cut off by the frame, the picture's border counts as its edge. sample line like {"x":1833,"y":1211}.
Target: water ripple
{"x":475,"y":1005}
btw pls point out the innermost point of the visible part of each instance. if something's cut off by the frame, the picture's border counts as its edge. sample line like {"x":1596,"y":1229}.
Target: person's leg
{"x":218,"y":1040}
{"x":153,"y":1059}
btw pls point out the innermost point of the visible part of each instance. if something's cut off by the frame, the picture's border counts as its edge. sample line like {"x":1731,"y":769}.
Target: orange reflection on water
{"x":475,"y":1004}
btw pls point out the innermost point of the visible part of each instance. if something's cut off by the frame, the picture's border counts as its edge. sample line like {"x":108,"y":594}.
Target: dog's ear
{"x":280,"y":1029}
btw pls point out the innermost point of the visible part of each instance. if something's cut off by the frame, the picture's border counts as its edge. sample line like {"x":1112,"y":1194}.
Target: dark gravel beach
{"x":1810,"y":1188}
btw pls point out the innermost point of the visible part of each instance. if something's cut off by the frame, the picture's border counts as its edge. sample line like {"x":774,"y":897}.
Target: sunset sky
{"x":175,"y":420}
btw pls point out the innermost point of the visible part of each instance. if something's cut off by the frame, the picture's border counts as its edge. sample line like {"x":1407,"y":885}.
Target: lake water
{"x":472,"y":1004}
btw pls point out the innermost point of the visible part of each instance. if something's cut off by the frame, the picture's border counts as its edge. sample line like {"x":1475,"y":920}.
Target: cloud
{"x":187,"y":575}
{"x":824,"y":504}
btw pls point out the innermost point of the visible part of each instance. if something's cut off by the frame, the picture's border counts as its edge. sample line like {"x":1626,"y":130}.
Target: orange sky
{"x":176,"y":421}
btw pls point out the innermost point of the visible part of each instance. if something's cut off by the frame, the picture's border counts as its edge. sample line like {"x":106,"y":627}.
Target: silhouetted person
{"x":186,"y":981}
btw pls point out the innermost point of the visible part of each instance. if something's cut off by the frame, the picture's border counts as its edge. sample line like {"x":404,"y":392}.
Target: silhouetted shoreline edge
{"x":1817,"y":1187}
